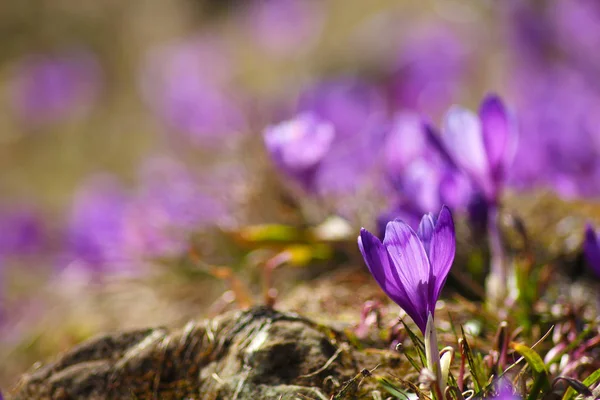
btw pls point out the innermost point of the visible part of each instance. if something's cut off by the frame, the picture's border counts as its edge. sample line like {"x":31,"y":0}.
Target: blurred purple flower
{"x":51,"y":88}
{"x":556,"y":91}
{"x":21,"y":231}
{"x":96,"y":230}
{"x":187,"y":85}
{"x":560,"y":141}
{"x":172,"y":187}
{"x":591,"y":249}
{"x":401,"y":210}
{"x":421,"y":172}
{"x":430,"y":69}
{"x":115,"y":231}
{"x":350,"y":104}
{"x":482,"y":145}
{"x":506,"y":392}
{"x":169,"y":206}
{"x":298,"y":146}
{"x":529,"y":33}
{"x":285,"y":27}
{"x":412,"y":267}
{"x":576,"y":28}
{"x":356,"y":111}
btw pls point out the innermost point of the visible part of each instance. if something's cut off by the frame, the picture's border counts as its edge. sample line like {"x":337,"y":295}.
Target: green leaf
{"x":419,"y":345}
{"x":536,"y":363}
{"x":413,"y":362}
{"x":593,"y":378}
{"x":531,"y":356}
{"x":392,"y":389}
{"x":269,"y":233}
{"x":473,"y":366}
{"x":399,"y":392}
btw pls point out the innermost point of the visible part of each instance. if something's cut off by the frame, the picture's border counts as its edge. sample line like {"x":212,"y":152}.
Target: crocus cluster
{"x":465,"y":166}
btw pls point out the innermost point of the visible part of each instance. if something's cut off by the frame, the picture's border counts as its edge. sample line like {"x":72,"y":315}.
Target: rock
{"x":254,"y":354}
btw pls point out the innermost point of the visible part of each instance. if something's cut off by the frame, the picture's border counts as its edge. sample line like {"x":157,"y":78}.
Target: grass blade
{"x":593,"y":378}
{"x":540,"y":372}
{"x":473,"y":367}
{"x":419,"y":345}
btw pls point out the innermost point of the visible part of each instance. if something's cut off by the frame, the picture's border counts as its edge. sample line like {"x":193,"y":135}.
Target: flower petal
{"x":499,"y":135}
{"x":425,"y":231}
{"x":300,"y":143}
{"x":442,"y":250}
{"x":405,"y":142}
{"x":412,"y":265}
{"x":378,"y":261}
{"x":462,"y":135}
{"x":591,"y":249}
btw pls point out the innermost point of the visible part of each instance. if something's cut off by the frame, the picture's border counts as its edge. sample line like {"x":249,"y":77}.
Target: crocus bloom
{"x":412,"y":267}
{"x":591,"y":249}
{"x":422,"y":174}
{"x":505,"y":391}
{"x":298,"y":146}
{"x":355,"y":109}
{"x":482,"y":145}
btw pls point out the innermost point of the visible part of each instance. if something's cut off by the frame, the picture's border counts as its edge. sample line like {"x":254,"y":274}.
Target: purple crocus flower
{"x":356,"y":110}
{"x":420,"y":171}
{"x":412,"y":267}
{"x":346,"y":115}
{"x":591,"y":249}
{"x":482,"y":145}
{"x":505,"y":392}
{"x":50,"y":88}
{"x":299,"y":145}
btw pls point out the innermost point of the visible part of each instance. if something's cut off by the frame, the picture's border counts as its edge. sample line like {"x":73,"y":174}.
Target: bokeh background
{"x":132,"y":150}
